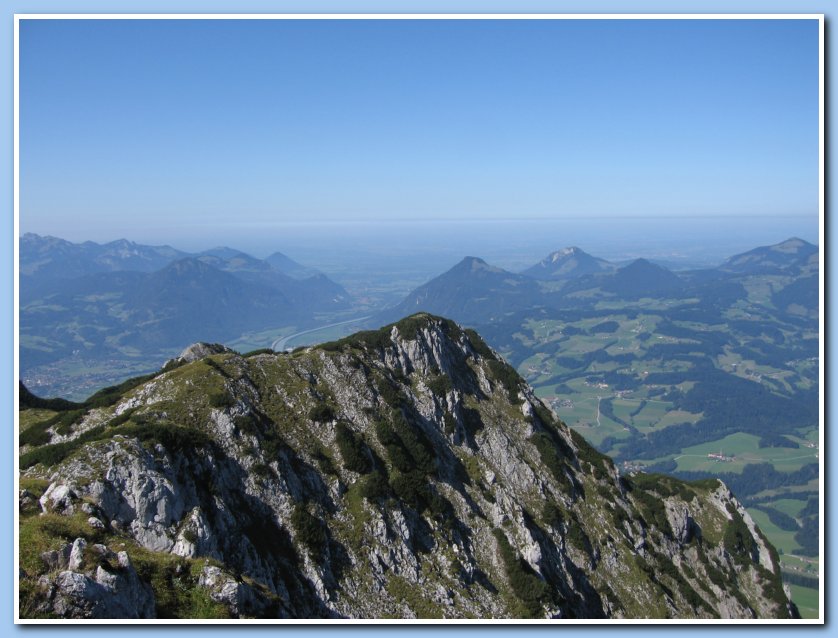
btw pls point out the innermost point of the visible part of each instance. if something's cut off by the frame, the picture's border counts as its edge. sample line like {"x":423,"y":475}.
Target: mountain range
{"x":92,"y":301}
{"x":401,"y":473}
{"x":476,"y":293}
{"x":129,"y":306}
{"x":52,"y":256}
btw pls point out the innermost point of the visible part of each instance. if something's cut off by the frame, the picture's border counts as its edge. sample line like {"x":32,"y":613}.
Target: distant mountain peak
{"x":568,"y":263}
{"x":54,"y":257}
{"x":640,"y":262}
{"x":642,"y":277}
{"x":121,"y":242}
{"x":223,"y":252}
{"x":287,"y":266}
{"x":476,"y":263}
{"x":471,"y":289}
{"x":792,"y":244}
{"x":564,"y":252}
{"x":792,"y":254}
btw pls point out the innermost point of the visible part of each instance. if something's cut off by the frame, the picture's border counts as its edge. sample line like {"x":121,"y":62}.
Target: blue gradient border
{"x":7,"y":503}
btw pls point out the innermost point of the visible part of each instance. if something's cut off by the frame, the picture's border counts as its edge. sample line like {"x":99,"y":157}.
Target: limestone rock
{"x":80,"y":590}
{"x":390,"y":505}
{"x":198,"y":351}
{"x":58,"y":498}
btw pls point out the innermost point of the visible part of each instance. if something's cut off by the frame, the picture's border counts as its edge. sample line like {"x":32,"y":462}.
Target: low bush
{"x":478,"y":345}
{"x":253,"y":353}
{"x":309,"y":530}
{"x":527,"y":586}
{"x":440,"y":385}
{"x":171,"y":437}
{"x":322,"y":413}
{"x":374,"y":486}
{"x":407,"y":446}
{"x":28,"y":400}
{"x":508,"y":377}
{"x":355,"y":453}
{"x":221,"y":399}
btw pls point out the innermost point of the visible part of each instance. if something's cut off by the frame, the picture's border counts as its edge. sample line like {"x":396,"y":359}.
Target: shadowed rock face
{"x":406,"y":472}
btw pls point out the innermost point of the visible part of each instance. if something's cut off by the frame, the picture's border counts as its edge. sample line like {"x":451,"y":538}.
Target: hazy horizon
{"x":512,"y":243}
{"x":221,"y":127}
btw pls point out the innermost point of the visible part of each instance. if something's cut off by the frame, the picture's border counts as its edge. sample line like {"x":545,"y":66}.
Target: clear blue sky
{"x":192,"y":124}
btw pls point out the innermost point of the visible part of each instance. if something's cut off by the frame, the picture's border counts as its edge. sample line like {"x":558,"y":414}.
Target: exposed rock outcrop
{"x":91,"y":581}
{"x":406,"y":472}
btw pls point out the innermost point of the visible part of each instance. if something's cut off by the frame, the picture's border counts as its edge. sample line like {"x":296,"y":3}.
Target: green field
{"x":801,"y":564}
{"x":806,"y":600}
{"x":650,"y":415}
{"x":789,"y":506}
{"x":781,"y":539}
{"x":742,"y":449}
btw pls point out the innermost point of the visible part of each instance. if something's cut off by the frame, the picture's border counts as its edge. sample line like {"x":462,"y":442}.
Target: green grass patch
{"x":32,"y":416}
{"x":174,"y":581}
{"x":781,"y":539}
{"x":406,"y":593}
{"x":742,"y":449}
{"x":172,"y":578}
{"x":806,"y":599}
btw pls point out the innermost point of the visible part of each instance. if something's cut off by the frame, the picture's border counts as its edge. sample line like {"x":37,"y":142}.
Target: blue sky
{"x":159,"y":128}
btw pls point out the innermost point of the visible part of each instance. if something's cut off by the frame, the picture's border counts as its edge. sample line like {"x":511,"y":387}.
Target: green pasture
{"x":648,"y":418}
{"x":789,"y":506}
{"x":743,"y":449}
{"x":675,"y":417}
{"x":30,"y":417}
{"x":806,"y":600}
{"x":780,"y":492}
{"x":780,"y":538}
{"x":544,"y":330}
{"x":800,"y":564}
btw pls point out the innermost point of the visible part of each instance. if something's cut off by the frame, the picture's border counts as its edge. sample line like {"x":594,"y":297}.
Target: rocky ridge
{"x":406,"y":472}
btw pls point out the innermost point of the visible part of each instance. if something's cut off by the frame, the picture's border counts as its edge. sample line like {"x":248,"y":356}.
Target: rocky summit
{"x":407,"y":472}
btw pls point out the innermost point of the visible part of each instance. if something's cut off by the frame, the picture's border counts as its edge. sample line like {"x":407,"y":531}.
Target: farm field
{"x":806,"y":600}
